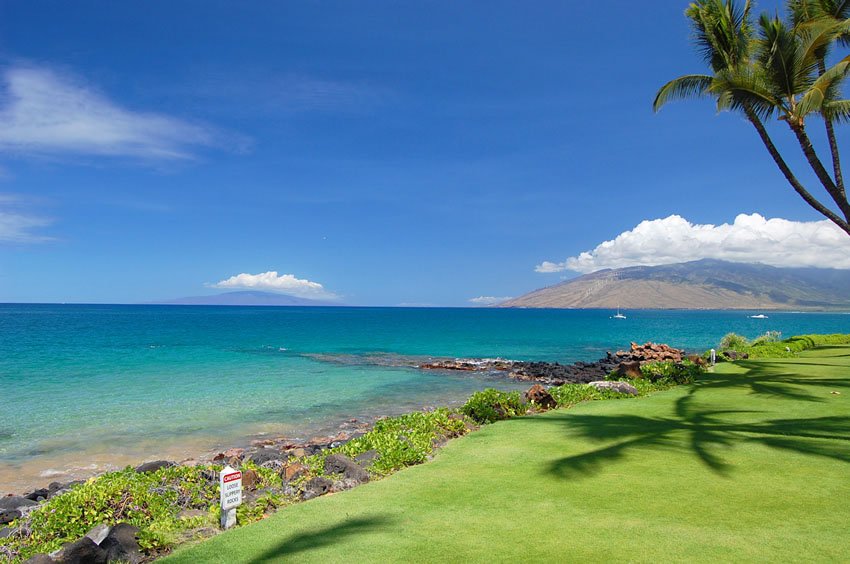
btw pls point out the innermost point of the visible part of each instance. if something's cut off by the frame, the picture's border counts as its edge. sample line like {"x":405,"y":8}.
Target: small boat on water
{"x":759,"y":316}
{"x":619,"y":315}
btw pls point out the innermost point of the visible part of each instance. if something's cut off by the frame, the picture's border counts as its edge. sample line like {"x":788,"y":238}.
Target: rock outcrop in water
{"x":555,"y":373}
{"x":550,"y":373}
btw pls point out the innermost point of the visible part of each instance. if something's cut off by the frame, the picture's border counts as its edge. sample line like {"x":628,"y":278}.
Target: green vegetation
{"x":569,"y":395}
{"x":767,"y":346}
{"x":684,"y":372}
{"x":488,"y":406}
{"x":154,"y":501}
{"x":776,"y":68}
{"x":750,"y":463}
{"x":733,"y":341}
{"x":399,"y":441}
{"x":150,"y":501}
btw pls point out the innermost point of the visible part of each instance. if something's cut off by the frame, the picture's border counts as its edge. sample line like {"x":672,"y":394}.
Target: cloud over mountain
{"x":274,"y":282}
{"x":488,"y":300}
{"x":750,"y":239}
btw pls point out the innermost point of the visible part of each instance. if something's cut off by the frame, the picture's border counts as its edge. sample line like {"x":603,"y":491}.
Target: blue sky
{"x":393,"y":153}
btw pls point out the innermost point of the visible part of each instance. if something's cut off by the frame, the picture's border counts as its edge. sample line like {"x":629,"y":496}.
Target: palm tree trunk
{"x":816,"y":164}
{"x":833,"y":144}
{"x":836,"y":160}
{"x":789,"y":175}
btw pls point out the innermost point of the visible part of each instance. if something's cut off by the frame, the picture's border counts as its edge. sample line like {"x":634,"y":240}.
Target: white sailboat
{"x":619,"y":315}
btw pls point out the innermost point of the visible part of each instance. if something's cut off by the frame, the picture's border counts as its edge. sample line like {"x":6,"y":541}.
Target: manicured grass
{"x":752,"y":463}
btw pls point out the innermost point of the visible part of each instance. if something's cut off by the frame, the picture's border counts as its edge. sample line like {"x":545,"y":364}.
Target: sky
{"x":369,"y":153}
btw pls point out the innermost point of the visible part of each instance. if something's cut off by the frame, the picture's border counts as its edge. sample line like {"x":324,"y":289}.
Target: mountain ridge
{"x":703,"y":284}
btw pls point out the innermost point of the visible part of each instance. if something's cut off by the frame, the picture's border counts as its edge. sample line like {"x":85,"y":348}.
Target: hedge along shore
{"x":162,"y":504}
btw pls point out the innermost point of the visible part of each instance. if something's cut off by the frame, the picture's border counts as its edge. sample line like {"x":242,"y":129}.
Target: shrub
{"x":769,"y":345}
{"x":733,"y":341}
{"x":492,"y":405}
{"x":794,"y":345}
{"x":768,"y":337}
{"x":684,"y":372}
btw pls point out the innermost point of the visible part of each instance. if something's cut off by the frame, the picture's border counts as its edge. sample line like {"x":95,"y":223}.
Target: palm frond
{"x":722,"y":31}
{"x":818,"y":34}
{"x":745,"y":89}
{"x":688,"y":86}
{"x":824,"y":88}
{"x":781,"y":55}
{"x":837,"y":111}
{"x":839,"y":9}
{"x":802,"y":11}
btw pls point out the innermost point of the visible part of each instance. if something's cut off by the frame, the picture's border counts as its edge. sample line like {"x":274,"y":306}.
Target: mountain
{"x":247,"y":298}
{"x":704,"y":284}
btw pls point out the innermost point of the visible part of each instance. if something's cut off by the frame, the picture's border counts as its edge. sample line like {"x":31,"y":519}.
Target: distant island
{"x":246,"y":298}
{"x":703,"y":284}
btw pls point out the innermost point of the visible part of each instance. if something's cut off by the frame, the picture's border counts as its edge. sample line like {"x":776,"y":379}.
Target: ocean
{"x":87,"y":388}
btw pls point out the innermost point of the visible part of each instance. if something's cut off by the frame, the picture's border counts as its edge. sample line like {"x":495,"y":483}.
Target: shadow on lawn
{"x":306,"y":541}
{"x":708,"y":431}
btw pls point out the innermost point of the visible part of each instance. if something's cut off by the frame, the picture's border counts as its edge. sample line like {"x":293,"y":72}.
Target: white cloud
{"x":44,"y":112}
{"x":489,"y":300}
{"x":751,"y":238}
{"x":273,"y":282}
{"x":17,"y":226}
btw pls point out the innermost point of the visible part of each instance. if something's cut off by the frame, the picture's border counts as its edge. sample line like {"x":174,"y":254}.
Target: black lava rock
{"x":153,"y":466}
{"x":16,"y":502}
{"x":341,"y":464}
{"x":83,"y":551}
{"x":122,"y":544}
{"x":264,"y":455}
{"x":316,"y":487}
{"x":9,"y":515}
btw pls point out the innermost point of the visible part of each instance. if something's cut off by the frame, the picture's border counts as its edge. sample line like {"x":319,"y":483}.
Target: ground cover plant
{"x":151,"y":501}
{"x":399,"y":441}
{"x":705,"y":473}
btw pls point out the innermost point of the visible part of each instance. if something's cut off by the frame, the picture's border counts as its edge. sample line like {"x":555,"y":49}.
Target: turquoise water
{"x":89,"y":387}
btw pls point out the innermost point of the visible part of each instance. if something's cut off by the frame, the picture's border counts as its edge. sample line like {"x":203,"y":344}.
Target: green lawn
{"x":750,"y":464}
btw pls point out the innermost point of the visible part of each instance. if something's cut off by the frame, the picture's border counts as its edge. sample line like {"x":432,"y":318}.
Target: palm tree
{"x":790,"y":58}
{"x":770,"y":74}
{"x":808,"y":13}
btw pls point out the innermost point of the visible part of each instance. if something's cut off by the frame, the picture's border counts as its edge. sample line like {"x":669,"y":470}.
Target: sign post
{"x":713,"y":357}
{"x":230,"y":482}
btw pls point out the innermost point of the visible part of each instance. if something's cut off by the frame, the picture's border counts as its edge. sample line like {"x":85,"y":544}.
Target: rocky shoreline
{"x":544,"y":373}
{"x":286,"y":457}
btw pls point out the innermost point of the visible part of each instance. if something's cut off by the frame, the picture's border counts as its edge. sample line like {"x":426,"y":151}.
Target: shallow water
{"x":85,"y":388}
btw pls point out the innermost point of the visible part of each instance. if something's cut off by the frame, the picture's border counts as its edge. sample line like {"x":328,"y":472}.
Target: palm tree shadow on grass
{"x":304,"y":542}
{"x":706,"y":433}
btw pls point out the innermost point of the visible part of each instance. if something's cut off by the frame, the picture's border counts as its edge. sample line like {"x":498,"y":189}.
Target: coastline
{"x":182,"y":497}
{"x":173,"y":502}
{"x":44,"y":473}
